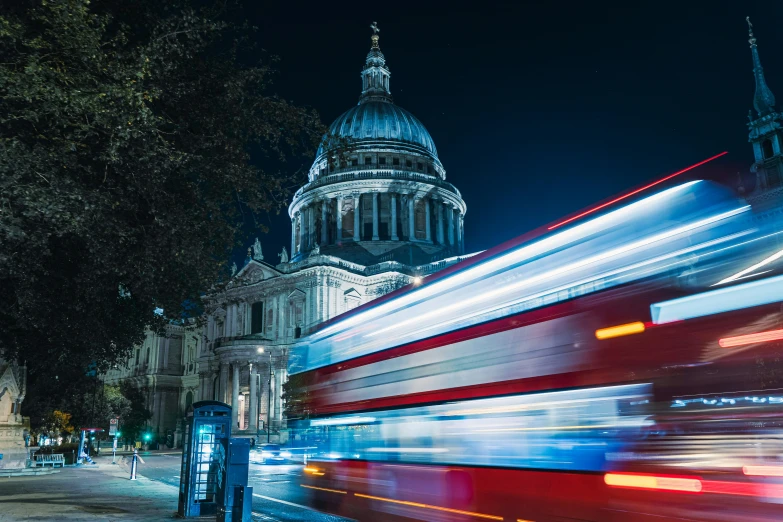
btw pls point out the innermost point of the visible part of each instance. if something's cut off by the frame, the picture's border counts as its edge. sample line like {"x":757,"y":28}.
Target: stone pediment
{"x":255,"y":272}
{"x":296,"y":294}
{"x":352,"y":292}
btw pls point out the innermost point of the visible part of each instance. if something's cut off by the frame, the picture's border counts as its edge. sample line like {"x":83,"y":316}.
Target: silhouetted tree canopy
{"x":132,"y":137}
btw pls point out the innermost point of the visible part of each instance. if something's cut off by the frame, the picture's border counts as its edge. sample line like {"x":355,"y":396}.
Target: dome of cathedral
{"x":382,"y":120}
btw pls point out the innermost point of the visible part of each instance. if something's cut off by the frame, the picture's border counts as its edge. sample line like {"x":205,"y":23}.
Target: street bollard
{"x":133,"y":464}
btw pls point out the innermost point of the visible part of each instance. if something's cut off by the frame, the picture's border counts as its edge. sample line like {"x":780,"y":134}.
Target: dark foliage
{"x":133,"y":135}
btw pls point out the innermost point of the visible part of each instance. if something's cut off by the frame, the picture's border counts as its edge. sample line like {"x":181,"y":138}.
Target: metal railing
{"x":362,"y":172}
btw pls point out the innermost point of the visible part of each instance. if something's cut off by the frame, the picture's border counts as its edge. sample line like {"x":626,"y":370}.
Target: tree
{"x":133,"y":422}
{"x":133,"y":137}
{"x":57,"y":424}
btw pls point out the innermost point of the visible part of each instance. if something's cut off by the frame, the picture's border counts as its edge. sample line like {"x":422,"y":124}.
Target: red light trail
{"x":741,"y":340}
{"x":604,"y":205}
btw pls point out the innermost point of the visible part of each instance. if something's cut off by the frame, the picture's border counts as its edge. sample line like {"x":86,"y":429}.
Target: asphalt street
{"x":277,"y":495}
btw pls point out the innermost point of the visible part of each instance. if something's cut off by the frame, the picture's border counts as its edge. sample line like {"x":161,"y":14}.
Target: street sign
{"x":112,"y":426}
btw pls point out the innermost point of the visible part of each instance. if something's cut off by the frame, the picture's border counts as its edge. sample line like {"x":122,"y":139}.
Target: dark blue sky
{"x":538,"y":109}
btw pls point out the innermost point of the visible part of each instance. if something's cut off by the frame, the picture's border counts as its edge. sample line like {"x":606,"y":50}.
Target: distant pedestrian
{"x":86,"y":456}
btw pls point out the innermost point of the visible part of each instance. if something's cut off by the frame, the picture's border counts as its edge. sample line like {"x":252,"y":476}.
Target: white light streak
{"x":729,"y":299}
{"x":523,"y":253}
{"x":742,"y":273}
{"x":616,"y":252}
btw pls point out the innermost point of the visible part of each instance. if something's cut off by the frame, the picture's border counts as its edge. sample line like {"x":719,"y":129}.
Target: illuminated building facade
{"x":376,"y":213}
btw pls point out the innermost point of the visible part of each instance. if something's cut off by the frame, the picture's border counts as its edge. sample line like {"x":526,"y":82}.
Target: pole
{"x":81,"y":448}
{"x":114,"y":451}
{"x":133,"y":463}
{"x":269,"y":404}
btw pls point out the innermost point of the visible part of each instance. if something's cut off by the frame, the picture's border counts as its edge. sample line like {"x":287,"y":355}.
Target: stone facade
{"x":13,"y":426}
{"x":362,"y":226}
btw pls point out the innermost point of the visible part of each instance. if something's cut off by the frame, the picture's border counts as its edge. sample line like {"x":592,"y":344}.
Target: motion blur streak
{"x":313,"y":471}
{"x":744,"y":489}
{"x":763,"y":471}
{"x":637,"y":191}
{"x":741,"y":340}
{"x":619,"y":331}
{"x":743,"y":273}
{"x":617,"y":252}
{"x":729,"y":299}
{"x":638,"y":481}
{"x":325,"y":489}
{"x":428,"y":506}
{"x":524,"y":252}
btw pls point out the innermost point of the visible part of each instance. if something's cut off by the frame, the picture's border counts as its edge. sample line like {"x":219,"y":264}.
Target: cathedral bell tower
{"x":766,"y":130}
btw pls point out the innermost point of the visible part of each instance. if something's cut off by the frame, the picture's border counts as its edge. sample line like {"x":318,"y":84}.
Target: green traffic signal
{"x":118,"y":434}
{"x":147,"y":436}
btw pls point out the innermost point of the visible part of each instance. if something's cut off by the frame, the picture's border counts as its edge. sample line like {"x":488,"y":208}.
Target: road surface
{"x":277,"y":495}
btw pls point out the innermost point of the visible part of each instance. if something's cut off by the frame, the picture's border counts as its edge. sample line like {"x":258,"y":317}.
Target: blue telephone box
{"x":202,"y":483}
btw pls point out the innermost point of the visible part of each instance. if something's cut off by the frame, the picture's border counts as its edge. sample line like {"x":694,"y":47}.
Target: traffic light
{"x":118,"y":434}
{"x":147,"y":437}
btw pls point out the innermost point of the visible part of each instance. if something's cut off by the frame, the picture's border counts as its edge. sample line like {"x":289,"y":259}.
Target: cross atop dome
{"x":375,"y":75}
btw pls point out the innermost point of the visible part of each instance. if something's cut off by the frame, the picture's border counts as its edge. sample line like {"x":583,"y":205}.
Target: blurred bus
{"x":621,"y":368}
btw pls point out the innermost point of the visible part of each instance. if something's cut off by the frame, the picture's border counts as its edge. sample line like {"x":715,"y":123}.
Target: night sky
{"x":538,"y":109}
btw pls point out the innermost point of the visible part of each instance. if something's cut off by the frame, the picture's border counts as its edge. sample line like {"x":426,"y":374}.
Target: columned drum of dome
{"x":384,"y":197}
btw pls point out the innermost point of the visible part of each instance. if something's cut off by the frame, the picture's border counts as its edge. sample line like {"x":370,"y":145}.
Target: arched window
{"x":766,"y":148}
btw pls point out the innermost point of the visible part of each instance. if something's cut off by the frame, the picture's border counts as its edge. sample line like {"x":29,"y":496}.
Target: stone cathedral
{"x":366,"y":223}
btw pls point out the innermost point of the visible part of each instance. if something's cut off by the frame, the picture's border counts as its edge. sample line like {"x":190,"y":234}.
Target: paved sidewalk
{"x":86,"y":493}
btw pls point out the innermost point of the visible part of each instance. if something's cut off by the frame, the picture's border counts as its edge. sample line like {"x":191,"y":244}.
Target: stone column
{"x":357,"y":201}
{"x":227,"y":327}
{"x":394,"y":217}
{"x":375,"y":236}
{"x":303,"y":229}
{"x":211,"y":328}
{"x":450,"y":217}
{"x":339,"y":239}
{"x":461,"y":230}
{"x":411,"y":221}
{"x":223,"y":391}
{"x":324,"y":227}
{"x":428,"y":234}
{"x":293,"y":236}
{"x":311,"y":239}
{"x":253,"y":427}
{"x":279,"y":396}
{"x":235,"y":398}
{"x":273,"y":397}
{"x":440,"y":222}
